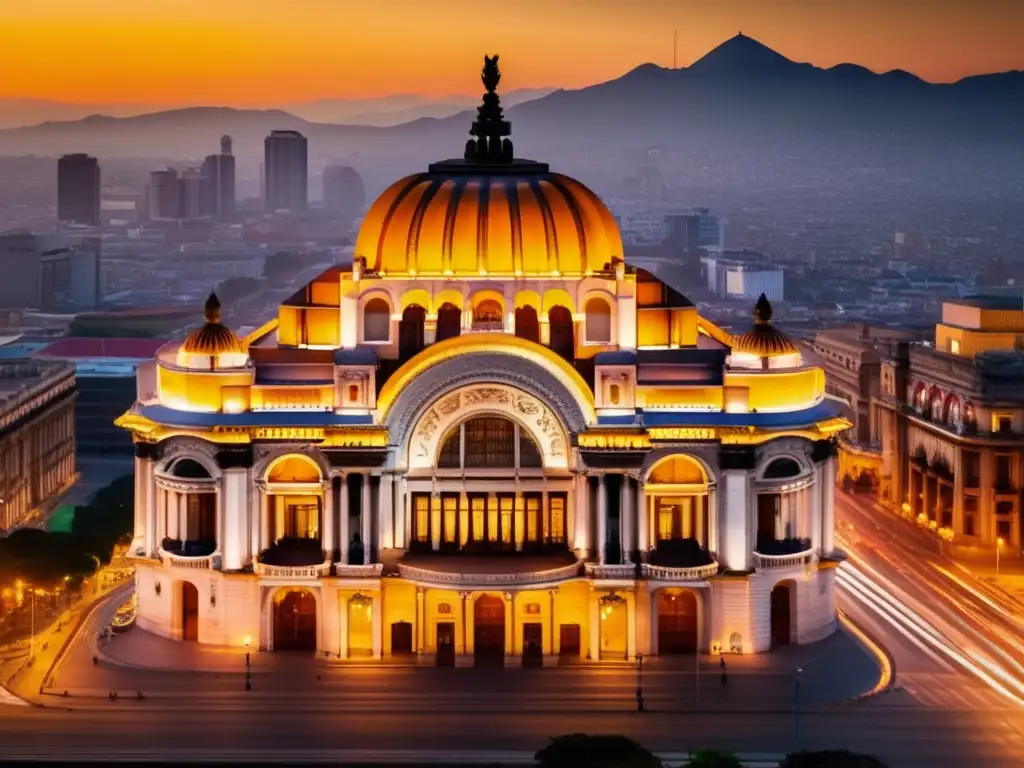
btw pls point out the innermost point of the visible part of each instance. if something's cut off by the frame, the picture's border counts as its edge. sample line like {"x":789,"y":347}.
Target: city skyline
{"x":325,"y":50}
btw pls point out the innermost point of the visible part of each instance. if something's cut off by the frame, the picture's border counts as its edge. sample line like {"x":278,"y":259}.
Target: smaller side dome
{"x":764,"y":342}
{"x":213,"y":345}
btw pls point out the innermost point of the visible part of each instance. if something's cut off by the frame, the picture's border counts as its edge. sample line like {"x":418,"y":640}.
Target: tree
{"x":710,"y":758}
{"x":281,"y":266}
{"x":838,"y":758}
{"x":584,"y":751}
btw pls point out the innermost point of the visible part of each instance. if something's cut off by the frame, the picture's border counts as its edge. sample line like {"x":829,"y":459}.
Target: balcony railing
{"x":487,"y":326}
{"x":668,"y":573}
{"x":371,"y":571}
{"x":204,"y":562}
{"x":778,"y":562}
{"x":488,"y":579}
{"x":265,"y":571}
{"x":597,"y":571}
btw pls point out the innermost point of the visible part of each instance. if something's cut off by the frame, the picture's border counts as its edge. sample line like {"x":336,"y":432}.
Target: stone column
{"x":462,"y":625}
{"x":553,"y":644}
{"x":419,"y":628}
{"x":265,"y":513}
{"x":328,"y":536}
{"x":255,"y":521}
{"x":816,"y":510}
{"x":580,"y":493}
{"x":384,"y":512}
{"x":735,"y":551}
{"x":829,"y":503}
{"x":602,"y":518}
{"x":626,"y":498}
{"x":510,"y":629}
{"x":642,"y":521}
{"x":366,"y":518}
{"x":234,"y":509}
{"x":343,"y":522}
{"x":377,"y":628}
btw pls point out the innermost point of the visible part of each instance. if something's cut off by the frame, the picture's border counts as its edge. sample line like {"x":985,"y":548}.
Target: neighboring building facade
{"x":37,"y":436}
{"x":285,"y":166}
{"x":218,"y":173}
{"x":21,"y":261}
{"x":950,"y":420}
{"x":488,"y":441}
{"x":71,"y":280}
{"x":78,"y":190}
{"x":164,"y":196}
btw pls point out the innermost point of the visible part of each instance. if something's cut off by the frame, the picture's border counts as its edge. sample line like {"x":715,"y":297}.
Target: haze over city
{"x":541,"y":383}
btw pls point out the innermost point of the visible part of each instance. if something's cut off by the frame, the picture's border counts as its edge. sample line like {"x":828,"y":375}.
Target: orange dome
{"x":213,"y":338}
{"x":764,"y":339}
{"x":462,"y":218}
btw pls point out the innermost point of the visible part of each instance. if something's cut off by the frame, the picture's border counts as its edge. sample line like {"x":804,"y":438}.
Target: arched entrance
{"x":562,"y":332}
{"x":295,"y":621}
{"x":449,"y":322}
{"x":189,"y":611}
{"x":489,"y":631}
{"x":781,"y":612}
{"x":678,"y":622}
{"x":613,"y":628}
{"x":527,"y":324}
{"x":410,"y":331}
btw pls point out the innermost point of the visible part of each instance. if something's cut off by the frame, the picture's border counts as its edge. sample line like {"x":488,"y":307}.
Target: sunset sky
{"x":268,"y":52}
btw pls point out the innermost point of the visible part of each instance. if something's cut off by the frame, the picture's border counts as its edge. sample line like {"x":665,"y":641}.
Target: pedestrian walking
{"x":725,"y":670}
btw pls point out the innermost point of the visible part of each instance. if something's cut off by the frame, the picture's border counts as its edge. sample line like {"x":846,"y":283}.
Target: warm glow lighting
{"x":999,"y":542}
{"x":247,"y":641}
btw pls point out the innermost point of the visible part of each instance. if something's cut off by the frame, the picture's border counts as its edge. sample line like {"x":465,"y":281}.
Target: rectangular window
{"x":556,"y":505}
{"x":450,"y":517}
{"x":478,"y":511}
{"x":492,"y":518}
{"x":971,"y":463}
{"x":506,"y":505}
{"x":1003,"y":528}
{"x":666,"y":511}
{"x":970,"y":515}
{"x":1002,"y":423}
{"x":533,"y":513}
{"x":1004,"y":472}
{"x":421,"y":513}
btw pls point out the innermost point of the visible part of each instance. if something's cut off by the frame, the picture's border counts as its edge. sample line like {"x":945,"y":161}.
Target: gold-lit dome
{"x":488,"y":214}
{"x":214,"y":340}
{"x":764,"y":340}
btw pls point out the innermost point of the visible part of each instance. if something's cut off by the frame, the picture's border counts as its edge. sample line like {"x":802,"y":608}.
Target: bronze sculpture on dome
{"x":491,"y":130}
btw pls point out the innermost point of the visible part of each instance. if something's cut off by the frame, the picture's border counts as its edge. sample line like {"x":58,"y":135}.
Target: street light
{"x":796,"y":695}
{"x":999,"y":546}
{"x":248,"y":682}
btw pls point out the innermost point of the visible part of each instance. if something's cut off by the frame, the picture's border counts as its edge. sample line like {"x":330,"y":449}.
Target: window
{"x":450,"y":456}
{"x":529,"y":454}
{"x":477,"y":519}
{"x":1004,"y":472}
{"x":954,"y":346}
{"x":556,"y":508}
{"x":449,"y":517}
{"x":376,"y":321}
{"x":970,"y":515}
{"x":1003,"y":529}
{"x":533,"y":514}
{"x":613,"y":394}
{"x":527,"y":325}
{"x":487,"y":316}
{"x":599,"y":321}
{"x":421,"y":512}
{"x":681,"y":517}
{"x":781,"y":469}
{"x":506,"y":507}
{"x":562,"y":332}
{"x":449,"y":322}
{"x":1002,"y":423}
{"x":490,"y":442}
{"x":353,"y":393}
{"x":971,"y":463}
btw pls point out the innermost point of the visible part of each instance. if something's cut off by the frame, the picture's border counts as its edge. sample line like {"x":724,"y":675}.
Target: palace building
{"x":489,"y":440}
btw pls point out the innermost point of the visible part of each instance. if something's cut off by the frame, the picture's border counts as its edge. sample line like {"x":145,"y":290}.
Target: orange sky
{"x":261,"y":52}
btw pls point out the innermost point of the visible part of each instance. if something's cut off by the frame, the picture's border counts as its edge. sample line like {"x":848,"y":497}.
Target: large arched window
{"x":189,"y":469}
{"x":449,"y":321}
{"x":783,"y":509}
{"x":376,"y":321}
{"x":781,"y":469}
{"x":599,"y":321}
{"x":488,"y":442}
{"x":487,"y":316}
{"x":410,"y":331}
{"x":677,"y":487}
{"x":563,"y":336}
{"x":527,"y":326}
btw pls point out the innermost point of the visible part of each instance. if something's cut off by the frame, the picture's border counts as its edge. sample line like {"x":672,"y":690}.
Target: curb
{"x":886,"y":662}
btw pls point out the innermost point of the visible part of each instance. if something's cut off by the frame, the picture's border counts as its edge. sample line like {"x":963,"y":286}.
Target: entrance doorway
{"x":677,"y":622}
{"x":489,"y":631}
{"x":189,"y":611}
{"x":568,"y":643}
{"x":295,"y":621}
{"x":401,"y":638}
{"x":533,"y":644}
{"x":781,"y":615}
{"x":446,"y":644}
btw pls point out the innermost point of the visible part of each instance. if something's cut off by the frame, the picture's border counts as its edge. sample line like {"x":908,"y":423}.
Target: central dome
{"x":488,"y":214}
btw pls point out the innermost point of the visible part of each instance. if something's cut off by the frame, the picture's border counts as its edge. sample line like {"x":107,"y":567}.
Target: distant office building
{"x":21,"y":256}
{"x":37,"y":436}
{"x":164,"y":198}
{"x":743,"y":278}
{"x":78,"y":190}
{"x":343,"y":191}
{"x":286,"y":170}
{"x":698,"y":229}
{"x":191,"y":187}
{"x":70,"y":280}
{"x":218,"y":173}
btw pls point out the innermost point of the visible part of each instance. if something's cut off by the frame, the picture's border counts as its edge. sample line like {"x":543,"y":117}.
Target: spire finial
{"x":763,"y":310}
{"x":491,"y":130}
{"x":212,"y":309}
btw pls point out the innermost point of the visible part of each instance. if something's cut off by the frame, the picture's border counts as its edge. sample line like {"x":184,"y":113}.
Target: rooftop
{"x":999,"y":303}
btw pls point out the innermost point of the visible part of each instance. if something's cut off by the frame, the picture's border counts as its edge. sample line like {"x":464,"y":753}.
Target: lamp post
{"x":639,"y":682}
{"x":32,"y":636}
{"x":999,"y":546}
{"x":248,"y":682}
{"x":796,"y":709}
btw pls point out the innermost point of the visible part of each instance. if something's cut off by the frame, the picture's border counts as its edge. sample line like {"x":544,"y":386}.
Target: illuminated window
{"x":556,"y":507}
{"x":421,"y":509}
{"x":376,"y":321}
{"x":533,"y":513}
{"x":450,"y":511}
{"x":353,"y":393}
{"x":599,"y":321}
{"x":488,"y":315}
{"x":954,"y":346}
{"x":478,"y":510}
{"x":613,"y":394}
{"x":506,"y":505}
{"x":1002,"y":423}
